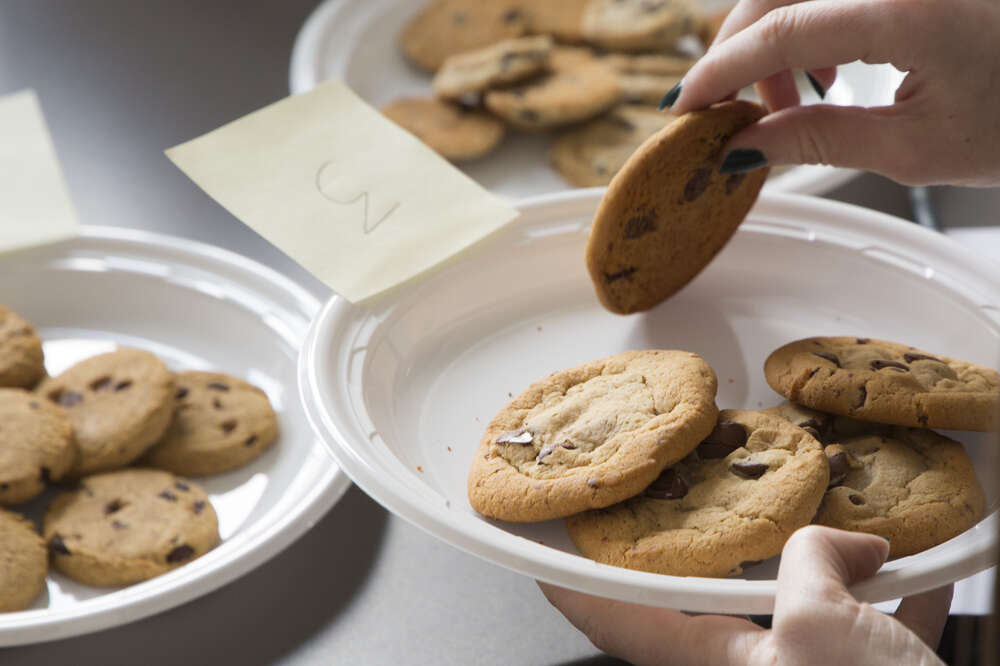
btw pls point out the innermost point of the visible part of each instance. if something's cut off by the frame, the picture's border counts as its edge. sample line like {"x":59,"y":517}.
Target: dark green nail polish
{"x":820,"y":90}
{"x":742,"y":160}
{"x":670,"y":97}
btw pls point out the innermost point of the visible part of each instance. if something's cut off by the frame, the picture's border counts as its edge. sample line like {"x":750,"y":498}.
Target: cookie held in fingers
{"x":123,"y":527}
{"x":22,"y":361}
{"x":220,"y":423}
{"x":669,"y":211}
{"x":119,"y":404}
{"x":734,"y":501}
{"x":23,"y":562}
{"x":36,"y":445}
{"x":912,"y":486}
{"x":885,"y":382}
{"x":454,"y":132}
{"x":505,"y":62}
{"x":445,"y":28}
{"x":592,"y":435}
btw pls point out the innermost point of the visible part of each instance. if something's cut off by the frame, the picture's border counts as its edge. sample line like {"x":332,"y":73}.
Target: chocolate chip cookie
{"x":637,"y":25}
{"x":592,"y":435}
{"x":563,"y":19}
{"x":735,"y":500}
{"x":445,"y":28}
{"x":36,"y":445}
{"x":119,"y":403}
{"x":912,"y":486}
{"x":669,"y":211}
{"x":23,"y":562}
{"x":561,"y":97}
{"x":455,"y":132}
{"x":220,"y":423}
{"x":128,"y":526}
{"x":591,"y":154}
{"x":503,"y":63}
{"x":885,"y":382}
{"x":22,"y":362}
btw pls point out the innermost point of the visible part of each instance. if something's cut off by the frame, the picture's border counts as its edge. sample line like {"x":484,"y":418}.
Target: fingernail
{"x":743,"y":159}
{"x":820,"y":90}
{"x":671,"y":97}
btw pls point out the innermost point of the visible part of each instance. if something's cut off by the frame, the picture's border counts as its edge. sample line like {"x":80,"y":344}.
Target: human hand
{"x":944,"y":126}
{"x":816,"y":620}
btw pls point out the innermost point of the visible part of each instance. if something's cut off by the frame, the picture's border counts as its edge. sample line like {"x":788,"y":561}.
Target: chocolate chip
{"x":879,"y":364}
{"x":251,"y":440}
{"x":216,"y":403}
{"x":640,"y":225}
{"x":839,"y":467}
{"x":101,"y":384}
{"x":669,"y":485}
{"x":625,"y":273}
{"x":747,"y":469}
{"x":521,"y":436}
{"x":113,"y":506}
{"x":180,"y":485}
{"x":57,"y":546}
{"x":167,"y":495}
{"x":910,"y":358}
{"x":228,"y":426}
{"x":864,"y":341}
{"x":734,"y":181}
{"x":511,"y":15}
{"x":568,"y":445}
{"x":181,"y":393}
{"x":198,"y":506}
{"x":180,"y":553}
{"x":118,"y":525}
{"x":696,"y":186}
{"x":818,"y":426}
{"x":726,"y":437}
{"x":66,"y":398}
{"x":545,"y":452}
{"x":856,"y":500}
{"x":829,"y":356}
{"x":121,"y":386}
{"x":215,"y":386}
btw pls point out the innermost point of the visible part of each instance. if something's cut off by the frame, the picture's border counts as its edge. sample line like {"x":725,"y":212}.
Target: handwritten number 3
{"x":363,"y":195}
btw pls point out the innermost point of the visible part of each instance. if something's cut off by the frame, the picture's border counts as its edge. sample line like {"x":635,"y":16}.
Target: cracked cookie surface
{"x":912,"y":486}
{"x":127,"y":526}
{"x":592,"y":435}
{"x":669,"y":211}
{"x":36,"y":445}
{"x":885,"y":382}
{"x":735,"y":500}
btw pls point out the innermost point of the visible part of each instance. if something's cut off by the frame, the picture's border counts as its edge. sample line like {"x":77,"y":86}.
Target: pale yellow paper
{"x":360,"y":203}
{"x":35,"y":207}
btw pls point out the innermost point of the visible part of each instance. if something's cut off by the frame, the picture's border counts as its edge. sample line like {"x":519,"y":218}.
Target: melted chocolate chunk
{"x":829,"y":356}
{"x":839,"y":467}
{"x":113,"y":506}
{"x":625,"y":273}
{"x":856,"y":500}
{"x":101,"y":384}
{"x":215,"y":386}
{"x":66,"y":398}
{"x":512,"y":15}
{"x":818,"y":426}
{"x":879,"y":364}
{"x":545,"y":452}
{"x":640,"y":225}
{"x":180,"y":485}
{"x":696,"y":186}
{"x":121,"y":386}
{"x":181,"y":393}
{"x":747,"y":469}
{"x":723,"y":440}
{"x":864,"y":341}
{"x":910,"y":358}
{"x":521,"y":436}
{"x":167,"y":495}
{"x":198,"y":506}
{"x":669,"y":485}
{"x":251,"y":440}
{"x":228,"y":426}
{"x":57,"y":546}
{"x":180,"y":553}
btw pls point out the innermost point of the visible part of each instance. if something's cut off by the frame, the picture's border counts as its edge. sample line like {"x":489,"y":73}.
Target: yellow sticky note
{"x":35,"y":207}
{"x":357,"y":201}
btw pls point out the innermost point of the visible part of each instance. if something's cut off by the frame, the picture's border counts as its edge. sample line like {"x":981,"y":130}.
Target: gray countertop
{"x":122,"y":80}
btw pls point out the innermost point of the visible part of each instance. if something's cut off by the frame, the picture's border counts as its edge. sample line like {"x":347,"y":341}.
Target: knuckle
{"x":778,"y":26}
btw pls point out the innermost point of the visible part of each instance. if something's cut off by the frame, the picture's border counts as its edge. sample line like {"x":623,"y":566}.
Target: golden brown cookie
{"x":910,"y":485}
{"x":592,"y":435}
{"x":455,"y":132}
{"x":22,"y":362}
{"x":23,"y":562}
{"x":36,"y":445}
{"x":637,"y":25}
{"x":563,"y":19}
{"x":503,"y":63}
{"x":734,"y":501}
{"x":885,"y":382}
{"x":669,"y":211}
{"x":562,"y":97}
{"x":119,"y":403}
{"x":220,"y":423}
{"x":445,"y":28}
{"x":591,"y":154}
{"x":123,"y":527}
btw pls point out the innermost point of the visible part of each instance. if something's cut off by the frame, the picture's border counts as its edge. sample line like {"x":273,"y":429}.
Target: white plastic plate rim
{"x":254,"y":543}
{"x":313,"y":60}
{"x":348,"y":432}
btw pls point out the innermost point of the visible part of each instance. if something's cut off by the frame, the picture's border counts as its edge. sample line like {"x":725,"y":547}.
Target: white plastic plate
{"x":356,"y":41}
{"x":401,"y":388}
{"x":197,"y":307}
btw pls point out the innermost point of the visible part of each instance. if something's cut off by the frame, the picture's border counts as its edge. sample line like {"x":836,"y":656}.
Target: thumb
{"x":820,"y":563}
{"x":854,"y":137}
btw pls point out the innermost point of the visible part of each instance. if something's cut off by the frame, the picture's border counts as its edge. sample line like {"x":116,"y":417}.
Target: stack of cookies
{"x":632,"y":452}
{"x":592,"y":70}
{"x":125,"y":432}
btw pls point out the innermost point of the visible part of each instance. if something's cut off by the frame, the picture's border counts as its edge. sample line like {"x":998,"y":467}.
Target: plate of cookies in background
{"x":818,"y":363}
{"x":535,"y":97}
{"x":153,"y":444}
